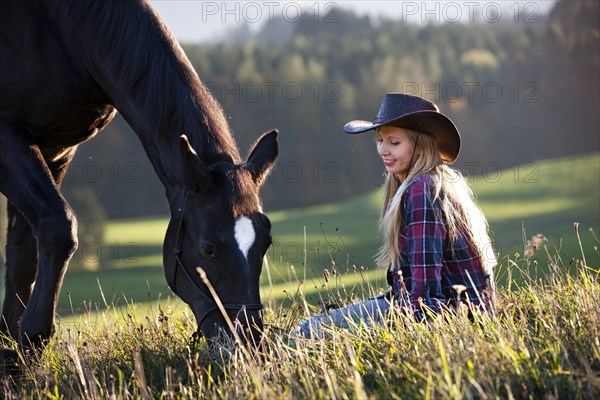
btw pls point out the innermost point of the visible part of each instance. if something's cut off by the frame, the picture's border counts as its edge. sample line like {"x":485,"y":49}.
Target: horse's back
{"x":43,"y":85}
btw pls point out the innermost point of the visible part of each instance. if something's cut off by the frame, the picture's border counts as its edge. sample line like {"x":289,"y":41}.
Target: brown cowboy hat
{"x":415,"y":113}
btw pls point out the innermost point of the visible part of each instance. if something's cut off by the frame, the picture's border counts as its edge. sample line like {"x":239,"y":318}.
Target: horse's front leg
{"x":21,"y":268}
{"x":30,"y":187}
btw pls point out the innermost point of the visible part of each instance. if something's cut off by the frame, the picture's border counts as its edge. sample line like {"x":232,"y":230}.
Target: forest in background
{"x":522,"y":88}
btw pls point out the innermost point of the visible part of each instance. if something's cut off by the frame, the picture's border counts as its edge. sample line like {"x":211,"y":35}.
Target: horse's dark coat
{"x":65,"y":67}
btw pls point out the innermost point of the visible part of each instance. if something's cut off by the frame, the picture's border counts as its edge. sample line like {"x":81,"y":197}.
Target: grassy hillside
{"x":545,"y":197}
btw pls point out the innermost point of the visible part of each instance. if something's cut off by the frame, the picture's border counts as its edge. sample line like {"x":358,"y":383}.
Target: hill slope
{"x":545,"y":197}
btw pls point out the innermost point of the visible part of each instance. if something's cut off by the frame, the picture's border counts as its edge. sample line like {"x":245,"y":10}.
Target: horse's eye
{"x":208,"y":250}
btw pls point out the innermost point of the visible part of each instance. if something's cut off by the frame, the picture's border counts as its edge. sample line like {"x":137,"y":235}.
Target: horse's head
{"x":219,"y":227}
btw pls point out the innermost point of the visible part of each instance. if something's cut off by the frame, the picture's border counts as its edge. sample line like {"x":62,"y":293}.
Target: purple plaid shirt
{"x":429,"y":267}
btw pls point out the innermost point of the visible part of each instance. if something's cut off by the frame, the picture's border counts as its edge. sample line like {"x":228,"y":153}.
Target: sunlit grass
{"x":142,"y":231}
{"x":544,"y":343}
{"x":516,"y":209}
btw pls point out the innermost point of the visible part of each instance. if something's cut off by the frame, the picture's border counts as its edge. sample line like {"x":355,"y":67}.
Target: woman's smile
{"x":395,"y":147}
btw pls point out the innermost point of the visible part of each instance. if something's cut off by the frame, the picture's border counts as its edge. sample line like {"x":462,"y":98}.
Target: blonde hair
{"x":460,"y":212}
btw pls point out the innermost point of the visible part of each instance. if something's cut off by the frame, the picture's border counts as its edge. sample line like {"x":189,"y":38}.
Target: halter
{"x":179,"y":263}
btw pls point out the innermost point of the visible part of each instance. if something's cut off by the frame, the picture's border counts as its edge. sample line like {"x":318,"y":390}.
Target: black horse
{"x":65,"y":68}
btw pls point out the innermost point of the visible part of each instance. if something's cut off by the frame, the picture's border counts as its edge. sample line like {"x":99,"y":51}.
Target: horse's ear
{"x":196,"y":175}
{"x":262,"y":156}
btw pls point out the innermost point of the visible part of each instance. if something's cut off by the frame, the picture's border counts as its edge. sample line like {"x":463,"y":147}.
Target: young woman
{"x":436,"y":245}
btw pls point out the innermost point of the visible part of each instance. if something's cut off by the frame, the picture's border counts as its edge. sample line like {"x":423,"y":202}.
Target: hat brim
{"x":432,"y":122}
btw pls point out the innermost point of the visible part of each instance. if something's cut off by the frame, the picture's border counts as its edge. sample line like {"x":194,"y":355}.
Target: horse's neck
{"x":137,"y":61}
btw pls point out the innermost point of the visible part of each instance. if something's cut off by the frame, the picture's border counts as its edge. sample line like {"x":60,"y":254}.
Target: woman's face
{"x":395,"y":146}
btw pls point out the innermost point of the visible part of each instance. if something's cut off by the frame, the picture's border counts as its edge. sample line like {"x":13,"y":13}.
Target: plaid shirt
{"x":429,"y":267}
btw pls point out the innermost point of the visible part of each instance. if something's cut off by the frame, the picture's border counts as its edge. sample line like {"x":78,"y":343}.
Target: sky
{"x":194,"y":21}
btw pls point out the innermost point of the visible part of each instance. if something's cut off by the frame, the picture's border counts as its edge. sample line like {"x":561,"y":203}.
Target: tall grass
{"x":544,"y":343}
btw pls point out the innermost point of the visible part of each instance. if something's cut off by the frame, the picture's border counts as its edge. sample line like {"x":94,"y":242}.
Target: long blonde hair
{"x":460,"y":212}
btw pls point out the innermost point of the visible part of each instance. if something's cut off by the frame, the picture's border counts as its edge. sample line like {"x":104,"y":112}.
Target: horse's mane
{"x":144,"y":72}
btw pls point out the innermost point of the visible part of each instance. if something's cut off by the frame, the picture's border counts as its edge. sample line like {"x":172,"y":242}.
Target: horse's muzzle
{"x":248,"y":325}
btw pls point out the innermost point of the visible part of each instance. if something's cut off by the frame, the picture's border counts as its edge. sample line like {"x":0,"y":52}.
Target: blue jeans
{"x":369,"y":312}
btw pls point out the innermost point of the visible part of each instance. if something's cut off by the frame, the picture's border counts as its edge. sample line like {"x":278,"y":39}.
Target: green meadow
{"x":546,"y":197}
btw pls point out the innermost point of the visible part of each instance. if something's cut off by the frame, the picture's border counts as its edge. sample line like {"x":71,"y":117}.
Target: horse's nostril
{"x":208,"y":251}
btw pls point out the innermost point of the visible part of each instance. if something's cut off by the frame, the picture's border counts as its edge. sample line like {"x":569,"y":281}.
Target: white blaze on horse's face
{"x":244,"y":234}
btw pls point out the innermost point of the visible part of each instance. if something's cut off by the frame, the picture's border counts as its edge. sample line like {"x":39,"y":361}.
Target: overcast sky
{"x":195,"y":21}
